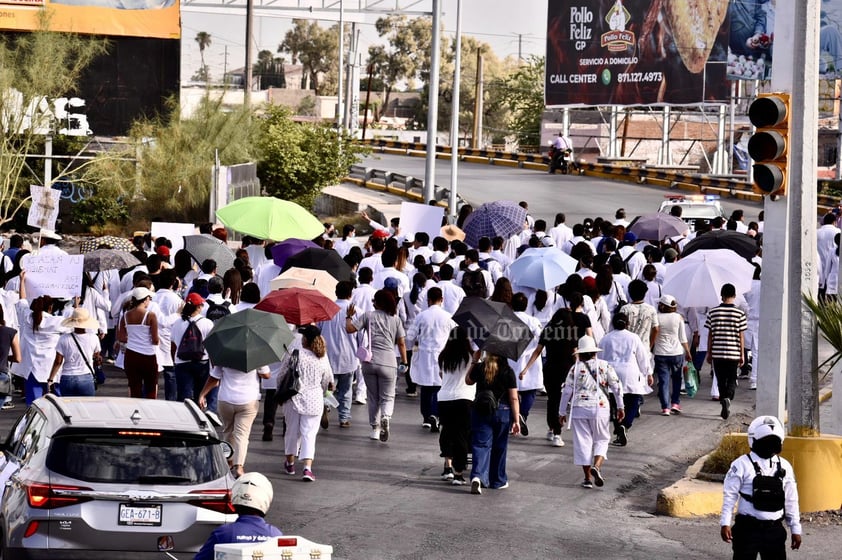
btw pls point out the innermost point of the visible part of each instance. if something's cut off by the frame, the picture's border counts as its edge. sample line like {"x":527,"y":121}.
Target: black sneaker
{"x":267,"y":432}
{"x":622,"y":436}
{"x":597,"y":477}
{"x":447,"y":474}
{"x":458,"y":480}
{"x":587,"y":484}
{"x":524,"y":429}
{"x":726,"y":408}
{"x":618,"y":443}
{"x":434,"y":425}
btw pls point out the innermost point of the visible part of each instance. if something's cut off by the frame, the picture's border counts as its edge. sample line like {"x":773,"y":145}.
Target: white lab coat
{"x":629,"y":358}
{"x":430,"y":332}
{"x":534,"y":378}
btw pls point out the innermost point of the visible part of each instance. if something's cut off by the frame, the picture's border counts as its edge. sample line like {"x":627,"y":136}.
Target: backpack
{"x":483,"y":264}
{"x":485,"y":403}
{"x":621,"y":301}
{"x":767,"y":492}
{"x":217,"y":311}
{"x":191,"y":348}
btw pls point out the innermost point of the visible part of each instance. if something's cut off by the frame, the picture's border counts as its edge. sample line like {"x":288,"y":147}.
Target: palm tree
{"x":203,"y":38}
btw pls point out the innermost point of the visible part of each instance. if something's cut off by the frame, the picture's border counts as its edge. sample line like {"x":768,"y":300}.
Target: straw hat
{"x":81,"y":319}
{"x":451,"y":233}
{"x":50,"y":234}
{"x":587,"y":346}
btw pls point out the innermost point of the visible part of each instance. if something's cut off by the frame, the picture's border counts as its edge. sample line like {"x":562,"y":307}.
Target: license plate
{"x":146,"y":515}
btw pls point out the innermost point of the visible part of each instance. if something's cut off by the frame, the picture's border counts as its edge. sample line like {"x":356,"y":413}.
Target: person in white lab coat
{"x":530,"y":379}
{"x":826,"y":248}
{"x":429,"y":332}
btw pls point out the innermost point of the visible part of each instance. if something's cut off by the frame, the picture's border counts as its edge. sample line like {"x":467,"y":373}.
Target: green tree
{"x":297,"y":160}
{"x":203,"y":39}
{"x":524,"y":96}
{"x":270,"y":70}
{"x":35,"y":69}
{"x":316,"y":49}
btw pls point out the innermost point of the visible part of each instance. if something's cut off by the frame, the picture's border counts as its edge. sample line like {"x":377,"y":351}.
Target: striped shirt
{"x":725,"y":323}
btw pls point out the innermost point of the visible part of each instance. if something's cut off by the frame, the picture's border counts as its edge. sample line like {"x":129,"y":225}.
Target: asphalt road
{"x":577,"y":196}
{"x":385,"y":501}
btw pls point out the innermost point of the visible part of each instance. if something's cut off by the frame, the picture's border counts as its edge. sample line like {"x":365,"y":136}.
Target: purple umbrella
{"x":285,"y":249}
{"x":502,"y":218}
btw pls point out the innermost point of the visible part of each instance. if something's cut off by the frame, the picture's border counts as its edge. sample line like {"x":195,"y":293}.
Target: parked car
{"x":111,"y":477}
{"x":693,"y":207}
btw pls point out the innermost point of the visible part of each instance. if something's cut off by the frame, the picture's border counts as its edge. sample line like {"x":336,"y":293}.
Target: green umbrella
{"x":267,"y":217}
{"x":248,"y":339}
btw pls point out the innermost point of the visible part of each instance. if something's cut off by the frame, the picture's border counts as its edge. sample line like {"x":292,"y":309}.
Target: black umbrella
{"x":493,"y":326}
{"x":740,"y":243}
{"x":203,"y":247}
{"x":320,"y":259}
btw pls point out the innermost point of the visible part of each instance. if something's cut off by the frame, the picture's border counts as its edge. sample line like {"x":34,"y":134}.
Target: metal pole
{"x":454,"y":113}
{"x":433,"y":104}
{"x":340,"y":109}
{"x":664,"y":158}
{"x":612,"y":132}
{"x":247,"y":85}
{"x":720,"y":143}
{"x":367,"y":99}
{"x":477,"y":135}
{"x":729,"y":167}
{"x":48,"y":161}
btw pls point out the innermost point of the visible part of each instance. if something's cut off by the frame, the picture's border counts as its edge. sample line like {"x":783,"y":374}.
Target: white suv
{"x":694,"y":207}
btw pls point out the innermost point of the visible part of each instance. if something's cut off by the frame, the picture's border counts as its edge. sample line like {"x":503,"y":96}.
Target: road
{"x":577,"y":196}
{"x":385,"y":501}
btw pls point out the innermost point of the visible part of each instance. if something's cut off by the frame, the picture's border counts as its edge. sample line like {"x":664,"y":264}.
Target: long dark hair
{"x":540,"y":300}
{"x":503,"y":291}
{"x":39,"y":306}
{"x":385,"y":302}
{"x":418,"y":283}
{"x":457,"y":351}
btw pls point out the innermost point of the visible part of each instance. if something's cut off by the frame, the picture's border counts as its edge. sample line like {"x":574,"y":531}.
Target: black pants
{"x":726,"y":377}
{"x":751,"y":537}
{"x":455,"y":437}
{"x":410,"y":386}
{"x":270,"y":407}
{"x":553,"y":380}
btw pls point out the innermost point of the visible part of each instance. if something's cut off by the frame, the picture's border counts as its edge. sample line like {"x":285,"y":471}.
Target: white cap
{"x":50,"y":234}
{"x":139,"y":294}
{"x":667,"y":301}
{"x":252,"y":490}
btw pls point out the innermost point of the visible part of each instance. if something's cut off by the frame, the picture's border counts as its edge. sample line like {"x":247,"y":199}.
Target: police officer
{"x":765,"y":486}
{"x":251,"y":497}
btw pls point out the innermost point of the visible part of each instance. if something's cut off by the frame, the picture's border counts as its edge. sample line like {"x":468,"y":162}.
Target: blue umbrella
{"x":502,"y":218}
{"x":542,"y":268}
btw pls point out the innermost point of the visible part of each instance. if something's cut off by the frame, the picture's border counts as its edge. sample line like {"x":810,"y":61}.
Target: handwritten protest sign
{"x":173,"y":231}
{"x":59,"y":276}
{"x":44,"y":209}
{"x":420,"y":217}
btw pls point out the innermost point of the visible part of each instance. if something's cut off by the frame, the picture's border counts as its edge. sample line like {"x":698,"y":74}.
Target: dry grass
{"x":731,"y":447}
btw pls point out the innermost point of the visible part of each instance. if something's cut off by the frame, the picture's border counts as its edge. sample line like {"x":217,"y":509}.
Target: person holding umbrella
{"x":586,"y":391}
{"x":384,"y":330}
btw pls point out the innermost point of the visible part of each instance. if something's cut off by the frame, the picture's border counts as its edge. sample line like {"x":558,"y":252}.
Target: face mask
{"x":767,"y":447}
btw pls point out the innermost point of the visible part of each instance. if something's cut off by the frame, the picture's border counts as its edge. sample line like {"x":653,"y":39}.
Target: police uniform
{"x":758,"y":531}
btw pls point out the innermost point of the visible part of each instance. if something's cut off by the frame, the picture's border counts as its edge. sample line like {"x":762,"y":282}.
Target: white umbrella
{"x":542,"y":268}
{"x":695,"y":280}
{"x":310,"y":278}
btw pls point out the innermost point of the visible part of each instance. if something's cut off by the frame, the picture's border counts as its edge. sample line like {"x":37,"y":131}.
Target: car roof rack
{"x":61,"y":410}
{"x":197,"y":413}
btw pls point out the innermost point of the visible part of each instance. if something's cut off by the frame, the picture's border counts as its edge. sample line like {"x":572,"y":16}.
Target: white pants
{"x":591,"y":437}
{"x":714,"y":388}
{"x":751,"y":341}
{"x":300,"y":439}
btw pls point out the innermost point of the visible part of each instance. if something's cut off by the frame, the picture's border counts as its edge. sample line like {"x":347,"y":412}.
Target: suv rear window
{"x":136,"y":457}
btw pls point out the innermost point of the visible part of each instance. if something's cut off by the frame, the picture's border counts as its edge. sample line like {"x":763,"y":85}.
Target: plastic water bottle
{"x":330,"y":400}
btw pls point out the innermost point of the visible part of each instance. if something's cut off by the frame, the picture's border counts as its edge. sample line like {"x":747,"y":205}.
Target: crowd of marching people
{"x":595,"y":344}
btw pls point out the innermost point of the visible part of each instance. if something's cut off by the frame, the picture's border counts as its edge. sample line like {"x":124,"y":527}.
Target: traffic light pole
{"x":788,"y":356}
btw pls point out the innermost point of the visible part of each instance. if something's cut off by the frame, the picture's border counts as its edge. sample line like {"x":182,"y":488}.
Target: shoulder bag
{"x":289,"y":384}
{"x":85,"y":358}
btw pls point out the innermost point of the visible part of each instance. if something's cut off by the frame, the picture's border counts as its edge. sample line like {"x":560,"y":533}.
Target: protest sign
{"x":420,"y":217}
{"x":58,"y":276}
{"x":44,"y":209}
{"x":173,"y":231}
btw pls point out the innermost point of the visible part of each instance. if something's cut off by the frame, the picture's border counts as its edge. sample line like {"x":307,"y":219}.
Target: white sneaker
{"x":375,"y":434}
{"x":476,"y":486}
{"x":557,"y":441}
{"x":550,"y":435}
{"x":753,"y":386}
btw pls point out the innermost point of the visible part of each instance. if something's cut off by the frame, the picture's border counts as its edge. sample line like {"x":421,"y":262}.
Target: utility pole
{"x":225,"y":66}
{"x":433,"y":104}
{"x":340,"y":108}
{"x":476,"y":142}
{"x":248,"y":73}
{"x":520,"y":48}
{"x":454,"y":113}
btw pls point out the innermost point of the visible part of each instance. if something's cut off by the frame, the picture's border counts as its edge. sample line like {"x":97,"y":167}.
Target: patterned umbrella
{"x":655,"y":227}
{"x":202,"y":247}
{"x":299,"y":306}
{"x":320,"y":259}
{"x":108,"y":259}
{"x":113,"y":242}
{"x":285,"y":249}
{"x":295,"y":277}
{"x":502,"y":218}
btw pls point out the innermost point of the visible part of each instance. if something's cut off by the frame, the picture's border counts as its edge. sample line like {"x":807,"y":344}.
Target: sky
{"x":496,"y":22}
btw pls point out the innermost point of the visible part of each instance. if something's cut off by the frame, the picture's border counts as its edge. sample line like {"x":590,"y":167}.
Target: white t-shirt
{"x":671,"y":335}
{"x":180,"y":327}
{"x":238,"y":387}
{"x":74,"y":363}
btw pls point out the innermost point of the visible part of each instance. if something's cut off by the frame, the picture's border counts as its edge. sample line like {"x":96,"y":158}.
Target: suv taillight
{"x":50,"y":496}
{"x":221,"y":504}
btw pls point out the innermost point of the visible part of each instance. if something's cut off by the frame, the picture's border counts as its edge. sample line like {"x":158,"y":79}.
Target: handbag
{"x":364,"y":350}
{"x":290,"y":384}
{"x":691,"y":379}
{"x":85,"y":358}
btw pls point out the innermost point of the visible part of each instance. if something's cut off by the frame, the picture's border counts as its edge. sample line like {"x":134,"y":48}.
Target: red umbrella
{"x":299,"y":306}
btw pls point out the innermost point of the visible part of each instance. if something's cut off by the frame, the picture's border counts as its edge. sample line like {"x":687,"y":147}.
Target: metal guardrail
{"x":397,"y":183}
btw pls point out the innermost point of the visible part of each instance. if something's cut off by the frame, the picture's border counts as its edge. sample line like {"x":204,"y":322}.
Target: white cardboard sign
{"x":44,"y":209}
{"x":58,"y":276}
{"x":417,"y":217}
{"x":173,"y":231}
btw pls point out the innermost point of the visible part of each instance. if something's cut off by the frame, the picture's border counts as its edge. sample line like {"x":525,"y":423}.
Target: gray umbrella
{"x":655,"y":227}
{"x":203,"y":247}
{"x":108,"y":259}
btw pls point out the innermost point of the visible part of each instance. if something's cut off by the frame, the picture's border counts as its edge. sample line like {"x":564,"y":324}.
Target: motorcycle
{"x":561,"y":160}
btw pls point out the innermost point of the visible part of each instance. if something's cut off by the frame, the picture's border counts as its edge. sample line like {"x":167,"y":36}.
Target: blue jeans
{"x":429,"y":401}
{"x":170,"y":387}
{"x":527,"y":399}
{"x":77,"y":385}
{"x":33,"y":389}
{"x":343,"y":394}
{"x":489,"y":443}
{"x":669,"y":368}
{"x":190,"y":378}
{"x":631,"y":403}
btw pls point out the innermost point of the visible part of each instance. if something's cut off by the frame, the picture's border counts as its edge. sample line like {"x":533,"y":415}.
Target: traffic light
{"x":769,"y":145}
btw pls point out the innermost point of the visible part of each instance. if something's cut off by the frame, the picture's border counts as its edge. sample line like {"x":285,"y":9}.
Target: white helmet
{"x":252,"y":490}
{"x":763,"y":426}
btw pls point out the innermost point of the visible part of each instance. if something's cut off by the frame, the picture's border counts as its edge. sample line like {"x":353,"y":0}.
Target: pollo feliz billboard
{"x":636,"y":52}
{"x":132,"y":18}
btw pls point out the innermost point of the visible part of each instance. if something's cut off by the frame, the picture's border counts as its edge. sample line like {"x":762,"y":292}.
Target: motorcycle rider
{"x":561,"y":154}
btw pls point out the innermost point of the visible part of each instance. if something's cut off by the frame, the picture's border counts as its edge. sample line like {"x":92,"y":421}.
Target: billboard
{"x":752,"y":39}
{"x":636,"y":52}
{"x":132,"y":18}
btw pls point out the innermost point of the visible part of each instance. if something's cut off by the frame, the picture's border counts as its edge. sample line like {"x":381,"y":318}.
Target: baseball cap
{"x":391,"y":283}
{"x":629,"y":237}
{"x":667,"y":301}
{"x":139,"y":294}
{"x":195,"y":299}
{"x":381,"y":233}
{"x":163,"y":251}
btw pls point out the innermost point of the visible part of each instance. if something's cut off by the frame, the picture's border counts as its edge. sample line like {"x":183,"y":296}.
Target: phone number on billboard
{"x":640,"y":77}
